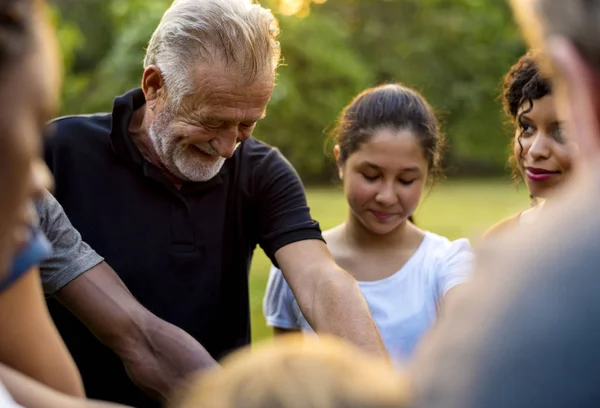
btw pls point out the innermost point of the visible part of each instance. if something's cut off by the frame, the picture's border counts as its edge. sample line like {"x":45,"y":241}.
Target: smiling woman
{"x":387,"y":146}
{"x":542,"y":154}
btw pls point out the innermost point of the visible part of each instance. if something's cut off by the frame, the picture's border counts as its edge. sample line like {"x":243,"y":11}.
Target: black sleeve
{"x":284,"y":216}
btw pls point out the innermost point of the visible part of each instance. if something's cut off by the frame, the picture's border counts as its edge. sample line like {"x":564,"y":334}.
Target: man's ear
{"x":153,"y":85}
{"x":577,"y":91}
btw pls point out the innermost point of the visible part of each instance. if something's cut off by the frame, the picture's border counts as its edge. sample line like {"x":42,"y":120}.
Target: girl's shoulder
{"x":443,"y":247}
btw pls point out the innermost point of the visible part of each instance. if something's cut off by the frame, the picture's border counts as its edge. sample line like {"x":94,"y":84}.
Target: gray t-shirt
{"x":70,"y":257}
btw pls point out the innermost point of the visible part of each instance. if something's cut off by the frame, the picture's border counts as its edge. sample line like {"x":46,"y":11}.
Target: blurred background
{"x":454,"y":52}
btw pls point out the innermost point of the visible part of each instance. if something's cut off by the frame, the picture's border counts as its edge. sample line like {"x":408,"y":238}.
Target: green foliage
{"x":453,"y":51}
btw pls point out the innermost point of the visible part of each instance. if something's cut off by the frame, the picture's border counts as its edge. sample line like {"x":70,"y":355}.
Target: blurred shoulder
{"x":503,"y":225}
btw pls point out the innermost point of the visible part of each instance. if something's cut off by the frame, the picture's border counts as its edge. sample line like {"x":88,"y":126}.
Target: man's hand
{"x":328,"y":297}
{"x":156,"y":354}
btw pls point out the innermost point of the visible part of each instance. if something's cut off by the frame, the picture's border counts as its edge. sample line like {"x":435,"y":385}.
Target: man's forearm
{"x":340,"y":309}
{"x":155,"y":353}
{"x":163,"y":356}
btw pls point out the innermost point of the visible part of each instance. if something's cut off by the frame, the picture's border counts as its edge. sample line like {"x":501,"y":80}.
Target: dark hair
{"x":16,"y":30}
{"x":523,"y":84}
{"x":390,"y":106}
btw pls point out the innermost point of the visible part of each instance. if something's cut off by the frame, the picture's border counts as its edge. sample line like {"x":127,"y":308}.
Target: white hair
{"x":239,"y":33}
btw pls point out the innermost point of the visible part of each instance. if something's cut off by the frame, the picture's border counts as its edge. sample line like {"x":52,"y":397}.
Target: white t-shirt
{"x":5,"y":399}
{"x":403,"y":305}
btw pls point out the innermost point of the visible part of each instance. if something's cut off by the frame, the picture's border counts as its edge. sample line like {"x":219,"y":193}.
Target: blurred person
{"x":293,"y":372}
{"x":174,"y":192}
{"x":542,"y":154}
{"x":525,"y":332}
{"x":387,"y":146}
{"x":29,"y":341}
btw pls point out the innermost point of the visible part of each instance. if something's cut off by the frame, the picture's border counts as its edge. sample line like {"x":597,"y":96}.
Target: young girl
{"x":541,"y":154}
{"x":387,"y":146}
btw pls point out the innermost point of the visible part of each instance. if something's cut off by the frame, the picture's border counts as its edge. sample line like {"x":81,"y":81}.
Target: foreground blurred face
{"x":193,"y":140}
{"x":28,"y":97}
{"x":543,"y":153}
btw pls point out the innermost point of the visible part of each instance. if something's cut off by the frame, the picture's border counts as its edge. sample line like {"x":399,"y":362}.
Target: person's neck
{"x":138,"y":131}
{"x":357,"y":236}
{"x":531,"y":214}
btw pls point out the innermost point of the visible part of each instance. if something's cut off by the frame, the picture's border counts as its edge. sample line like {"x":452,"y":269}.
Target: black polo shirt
{"x":184,"y":254}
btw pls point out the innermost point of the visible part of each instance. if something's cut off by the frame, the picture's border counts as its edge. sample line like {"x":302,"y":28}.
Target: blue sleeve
{"x":32,"y":255}
{"x":278,"y":305}
{"x":455,"y":267}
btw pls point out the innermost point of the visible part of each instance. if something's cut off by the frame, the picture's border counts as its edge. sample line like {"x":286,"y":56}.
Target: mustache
{"x":206,"y":148}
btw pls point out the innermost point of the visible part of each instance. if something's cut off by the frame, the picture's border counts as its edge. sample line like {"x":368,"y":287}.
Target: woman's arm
{"x":30,"y":342}
{"x":32,"y":394}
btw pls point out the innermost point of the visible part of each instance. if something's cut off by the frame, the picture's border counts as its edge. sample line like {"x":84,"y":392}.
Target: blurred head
{"x":541,"y":153}
{"x":387,"y":145}
{"x":299,"y":372}
{"x":568,"y":33}
{"x":29,"y":75}
{"x":209,"y":73}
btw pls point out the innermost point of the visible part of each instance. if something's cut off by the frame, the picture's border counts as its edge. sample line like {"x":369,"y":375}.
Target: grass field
{"x":453,"y":209}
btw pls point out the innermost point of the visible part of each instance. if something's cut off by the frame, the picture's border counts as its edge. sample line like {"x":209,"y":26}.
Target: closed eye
{"x":407,"y":182}
{"x":370,"y":178}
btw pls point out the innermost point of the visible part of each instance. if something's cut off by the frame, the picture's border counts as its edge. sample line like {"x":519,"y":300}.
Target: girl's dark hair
{"x":523,"y":84}
{"x":390,"y":106}
{"x":16,"y":30}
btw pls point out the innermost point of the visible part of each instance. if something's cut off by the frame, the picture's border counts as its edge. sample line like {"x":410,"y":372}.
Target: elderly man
{"x":526,"y":332}
{"x":172,"y":190}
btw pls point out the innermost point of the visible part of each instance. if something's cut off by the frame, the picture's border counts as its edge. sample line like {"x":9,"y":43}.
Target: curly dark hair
{"x":523,"y":84}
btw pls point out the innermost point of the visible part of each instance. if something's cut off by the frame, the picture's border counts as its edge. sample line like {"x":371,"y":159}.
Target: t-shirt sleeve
{"x":455,"y":266}
{"x":278,"y":304}
{"x":283,"y":211}
{"x":70,"y":257}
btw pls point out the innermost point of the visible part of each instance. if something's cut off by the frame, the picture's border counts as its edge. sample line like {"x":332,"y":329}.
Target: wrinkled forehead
{"x":217,"y":88}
